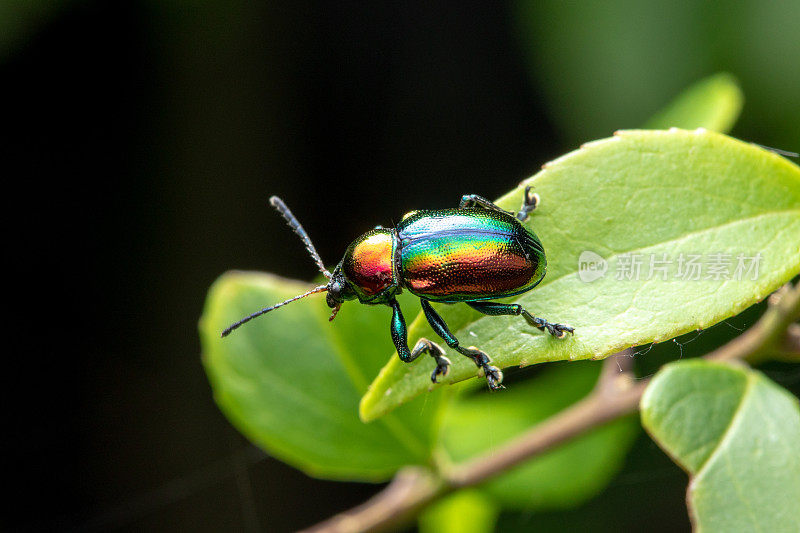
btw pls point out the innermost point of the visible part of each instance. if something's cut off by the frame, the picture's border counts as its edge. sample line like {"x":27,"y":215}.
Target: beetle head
{"x":339,"y":291}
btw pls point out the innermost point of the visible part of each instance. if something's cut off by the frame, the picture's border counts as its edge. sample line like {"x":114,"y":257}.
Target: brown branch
{"x":616,"y":394}
{"x":790,"y":345}
{"x":410,"y":490}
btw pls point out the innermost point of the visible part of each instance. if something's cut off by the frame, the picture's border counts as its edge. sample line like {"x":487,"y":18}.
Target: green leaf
{"x":630,"y":198}
{"x":713,"y":103}
{"x":562,"y":478}
{"x":291,"y":381}
{"x":466,"y":511}
{"x":737,"y":434}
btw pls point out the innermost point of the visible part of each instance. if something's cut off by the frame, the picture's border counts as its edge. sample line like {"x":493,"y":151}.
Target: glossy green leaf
{"x":291,"y":381}
{"x":737,"y":434}
{"x":713,"y":103}
{"x":466,"y":511}
{"x":640,"y":196}
{"x":564,"y":477}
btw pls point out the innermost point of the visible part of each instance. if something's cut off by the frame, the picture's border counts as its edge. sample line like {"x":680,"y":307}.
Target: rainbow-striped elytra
{"x":471,"y":254}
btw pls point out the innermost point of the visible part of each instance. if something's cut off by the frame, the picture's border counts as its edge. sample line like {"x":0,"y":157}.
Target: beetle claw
{"x":442,"y":368}
{"x":530,"y":201}
{"x":494,"y":377}
{"x":560,"y":330}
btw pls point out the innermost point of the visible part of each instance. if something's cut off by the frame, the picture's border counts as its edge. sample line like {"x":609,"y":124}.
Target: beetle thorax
{"x":370,"y":265}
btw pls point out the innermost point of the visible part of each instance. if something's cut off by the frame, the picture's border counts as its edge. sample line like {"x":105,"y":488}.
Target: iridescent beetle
{"x":472,"y":254}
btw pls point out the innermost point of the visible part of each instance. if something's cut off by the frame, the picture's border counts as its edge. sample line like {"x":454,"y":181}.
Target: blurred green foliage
{"x":293,"y":385}
{"x":604,"y":66}
{"x":564,"y":478}
{"x":467,"y":511}
{"x":713,"y":103}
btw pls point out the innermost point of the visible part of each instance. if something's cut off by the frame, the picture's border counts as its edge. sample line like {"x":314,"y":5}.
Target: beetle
{"x":473,"y":254}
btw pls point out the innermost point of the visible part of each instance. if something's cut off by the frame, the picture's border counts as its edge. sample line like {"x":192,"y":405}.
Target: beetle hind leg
{"x":435,"y":351}
{"x":556,"y":330}
{"x":530,"y":201}
{"x":494,"y":309}
{"x":494,"y":377}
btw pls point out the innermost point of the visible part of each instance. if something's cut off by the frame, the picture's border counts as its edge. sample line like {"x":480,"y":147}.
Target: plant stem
{"x":616,"y":394}
{"x":771,"y":333}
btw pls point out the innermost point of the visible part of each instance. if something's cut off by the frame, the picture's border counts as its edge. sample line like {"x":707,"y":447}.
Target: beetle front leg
{"x":494,"y":376}
{"x":471,"y":200}
{"x":495,"y":309}
{"x":400,"y":339}
{"x":530,"y":201}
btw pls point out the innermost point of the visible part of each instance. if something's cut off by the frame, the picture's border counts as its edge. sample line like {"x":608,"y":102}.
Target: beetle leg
{"x":471,"y":200}
{"x":530,"y":201}
{"x":435,"y":351}
{"x":400,"y":339}
{"x":495,"y":309}
{"x":493,"y":374}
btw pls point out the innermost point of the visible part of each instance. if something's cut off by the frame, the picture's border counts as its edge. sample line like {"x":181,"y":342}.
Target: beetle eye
{"x":334,"y":296}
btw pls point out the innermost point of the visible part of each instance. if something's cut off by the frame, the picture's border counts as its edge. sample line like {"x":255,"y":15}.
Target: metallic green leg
{"x":529,"y":202}
{"x":471,"y":200}
{"x":400,"y":339}
{"x":495,"y":309}
{"x":493,"y":374}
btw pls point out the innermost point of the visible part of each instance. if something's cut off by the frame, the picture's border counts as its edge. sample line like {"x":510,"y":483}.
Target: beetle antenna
{"x":248,"y":318}
{"x":785,"y":153}
{"x":278,"y":204}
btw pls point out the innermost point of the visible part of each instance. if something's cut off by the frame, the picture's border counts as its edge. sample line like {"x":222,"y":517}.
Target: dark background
{"x":141,"y":141}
